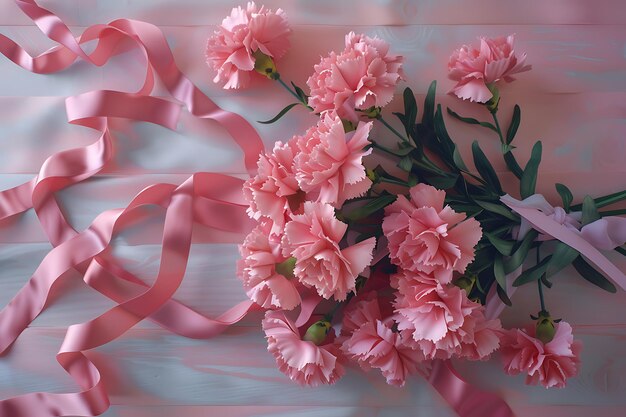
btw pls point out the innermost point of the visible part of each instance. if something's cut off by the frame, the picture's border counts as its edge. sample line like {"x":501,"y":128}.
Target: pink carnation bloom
{"x":442,"y":322}
{"x":302,"y":361}
{"x":362,"y":76}
{"x":424,"y":236}
{"x":270,"y":190}
{"x":260,"y":252}
{"x":313,"y":239}
{"x":474,"y":69}
{"x":230,"y":50}
{"x":329,"y":161}
{"x":373,"y":344}
{"x":549,"y":364}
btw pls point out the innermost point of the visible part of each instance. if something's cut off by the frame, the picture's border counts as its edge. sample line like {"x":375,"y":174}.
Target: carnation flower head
{"x":371,"y":341}
{"x":257,"y":268}
{"x":441,"y":321}
{"x":475,"y":70}
{"x":302,"y":361}
{"x":549,"y":364}
{"x":273,"y":193}
{"x":426,"y":237}
{"x":364,"y":75}
{"x":313,"y":239}
{"x":329,"y":161}
{"x":235,"y":46}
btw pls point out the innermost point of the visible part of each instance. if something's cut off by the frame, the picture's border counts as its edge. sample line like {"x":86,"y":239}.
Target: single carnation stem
{"x":540,"y":285}
{"x":292,"y":92}
{"x":510,"y":160}
{"x":391,"y":128}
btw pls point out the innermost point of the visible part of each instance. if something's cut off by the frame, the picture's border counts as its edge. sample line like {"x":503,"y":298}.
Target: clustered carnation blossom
{"x":371,"y":341}
{"x":362,"y":76}
{"x":549,"y":364}
{"x":313,"y":238}
{"x":427,"y":237}
{"x":301,"y":360}
{"x":231,"y":49}
{"x":329,"y":161}
{"x":260,"y":253}
{"x":475,"y":70}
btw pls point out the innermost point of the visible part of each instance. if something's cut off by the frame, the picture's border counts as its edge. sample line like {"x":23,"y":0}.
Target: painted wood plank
{"x":567,"y":58}
{"x":366,"y":12}
{"x":151,"y":367}
{"x":211,"y":287}
{"x":580,"y":133}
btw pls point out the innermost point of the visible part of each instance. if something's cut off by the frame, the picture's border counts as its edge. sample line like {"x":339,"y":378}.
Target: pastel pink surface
{"x":575,"y":47}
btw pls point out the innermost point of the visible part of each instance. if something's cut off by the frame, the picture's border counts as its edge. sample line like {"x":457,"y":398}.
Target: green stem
{"x":612,"y":213}
{"x":292,"y":92}
{"x":385,"y":149}
{"x":394,"y":131}
{"x":395,"y":181}
{"x":540,"y":286}
{"x":621,"y":250}
{"x":510,"y":160}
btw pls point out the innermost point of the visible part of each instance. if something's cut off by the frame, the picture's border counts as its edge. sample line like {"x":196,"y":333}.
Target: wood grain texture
{"x":573,"y":100}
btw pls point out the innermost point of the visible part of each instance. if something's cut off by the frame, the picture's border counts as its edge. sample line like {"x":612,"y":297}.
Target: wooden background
{"x":574,"y":100}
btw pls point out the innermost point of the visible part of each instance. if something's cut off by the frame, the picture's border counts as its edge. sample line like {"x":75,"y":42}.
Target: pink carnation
{"x":329,"y":161}
{"x":313,"y":239}
{"x":230,"y":50}
{"x":424,"y":236}
{"x":302,"y":361}
{"x":549,"y":364}
{"x":442,"y":322}
{"x":374,"y":344}
{"x":474,"y":69}
{"x":260,"y":253}
{"x":362,"y":76}
{"x":274,"y":187}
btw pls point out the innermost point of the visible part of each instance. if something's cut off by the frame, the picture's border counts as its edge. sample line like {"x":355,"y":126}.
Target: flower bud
{"x":492,"y":104}
{"x":263,"y":64}
{"x":372,"y":112}
{"x":317,"y":332}
{"x":545,"y":329}
{"x":348,"y":126}
{"x":286,"y":267}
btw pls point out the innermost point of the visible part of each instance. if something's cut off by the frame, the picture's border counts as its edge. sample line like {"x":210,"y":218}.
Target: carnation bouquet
{"x":396,"y":251}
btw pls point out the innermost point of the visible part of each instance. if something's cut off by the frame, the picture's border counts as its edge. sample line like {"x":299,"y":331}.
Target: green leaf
{"x":604,"y":201}
{"x":566,"y":195}
{"x":410,"y":110}
{"x":371,"y":207}
{"x":590,"y":274}
{"x":279,"y":115}
{"x":443,"y":182}
{"x":620,"y":250}
{"x":563,"y":255}
{"x":528,"y":182}
{"x":458,"y":160}
{"x":429,"y":105}
{"x":300,"y":92}
{"x":471,"y":121}
{"x":484,"y":168}
{"x":534,"y":273}
{"x":590,"y":211}
{"x":505,"y":247}
{"x":515,"y":121}
{"x":498,"y":209}
{"x":498,"y":271}
{"x":521,"y":252}
{"x":503,"y":297}
{"x":406,"y":163}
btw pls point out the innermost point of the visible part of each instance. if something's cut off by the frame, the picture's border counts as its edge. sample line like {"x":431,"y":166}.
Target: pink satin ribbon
{"x":581,"y":241}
